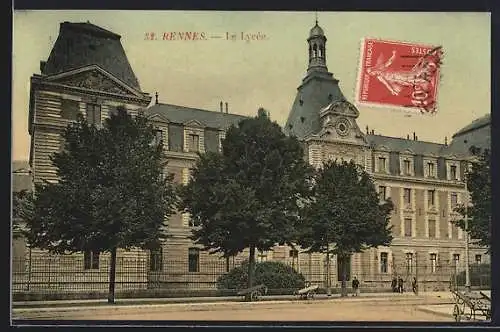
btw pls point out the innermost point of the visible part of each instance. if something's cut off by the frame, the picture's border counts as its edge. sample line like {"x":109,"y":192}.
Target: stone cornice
{"x":418,"y":180}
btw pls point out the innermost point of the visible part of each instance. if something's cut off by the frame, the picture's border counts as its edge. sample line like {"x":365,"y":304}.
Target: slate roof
{"x":400,"y":145}
{"x":182,"y":114}
{"x":477,"y":133}
{"x":83,"y":44}
{"x":317,"y":91}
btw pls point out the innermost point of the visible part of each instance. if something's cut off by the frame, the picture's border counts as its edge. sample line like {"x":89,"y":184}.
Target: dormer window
{"x":381,"y":164}
{"x":407,"y":167}
{"x":453,"y":172}
{"x":194,"y":142}
{"x":430,"y":169}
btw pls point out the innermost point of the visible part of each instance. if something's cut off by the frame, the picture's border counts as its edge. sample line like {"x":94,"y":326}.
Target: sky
{"x":266,"y":72}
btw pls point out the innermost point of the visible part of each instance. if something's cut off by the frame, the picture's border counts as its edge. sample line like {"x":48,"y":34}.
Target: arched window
{"x":315,"y":50}
{"x":322,"y":51}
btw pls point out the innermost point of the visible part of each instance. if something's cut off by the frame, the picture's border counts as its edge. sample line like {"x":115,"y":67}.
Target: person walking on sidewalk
{"x":414,"y":286}
{"x":394,"y":285}
{"x":400,"y":284}
{"x":355,"y":287}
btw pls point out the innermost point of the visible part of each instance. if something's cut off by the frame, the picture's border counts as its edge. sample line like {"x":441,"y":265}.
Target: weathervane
{"x":316,"y":14}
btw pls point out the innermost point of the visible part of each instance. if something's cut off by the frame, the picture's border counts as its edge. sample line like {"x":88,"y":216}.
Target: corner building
{"x":425,"y":180}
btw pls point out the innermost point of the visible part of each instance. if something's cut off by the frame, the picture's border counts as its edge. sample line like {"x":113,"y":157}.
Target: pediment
{"x":93,"y":78}
{"x":194,"y":123}
{"x":158,"y":118}
{"x":408,"y":152}
{"x":342,"y":107}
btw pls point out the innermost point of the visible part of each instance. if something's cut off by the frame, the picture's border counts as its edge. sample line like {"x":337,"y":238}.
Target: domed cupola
{"x":317,"y":49}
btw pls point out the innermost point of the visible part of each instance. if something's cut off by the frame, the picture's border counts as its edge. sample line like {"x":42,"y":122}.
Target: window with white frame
{"x":433,"y":258}
{"x":478,"y":259}
{"x":453,"y":200}
{"x":406,"y":167}
{"x":432,"y":228}
{"x":382,"y":193}
{"x":193,"y":142}
{"x":431,"y":198}
{"x":431,"y":169}
{"x":453,"y":172}
{"x":193,"y":260}
{"x":91,"y":260}
{"x":384,"y":262}
{"x":407,"y":196}
{"x":382,"y":164}
{"x":408,"y":223}
{"x":456,"y":261}
{"x":409,"y":263}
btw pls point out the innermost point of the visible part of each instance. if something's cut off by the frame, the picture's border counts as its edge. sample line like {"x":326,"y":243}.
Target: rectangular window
{"x":194,"y":260}
{"x":384,"y":262}
{"x":193,"y":222}
{"x":430,"y":169}
{"x":194,"y":143}
{"x":294,"y":253}
{"x":433,"y":262}
{"x":408,"y":227}
{"x":454,"y":200}
{"x":407,"y":196}
{"x":156,"y":260}
{"x":382,"y":193}
{"x":478,"y":259}
{"x":407,"y":167}
{"x":453,"y":172}
{"x":432,"y":228}
{"x":91,"y":260}
{"x":430,"y":198}
{"x":158,"y":139}
{"x":262,"y":255}
{"x":381,"y":164}
{"x":456,"y":261}
{"x":69,"y":109}
{"x":93,"y":113}
{"x":409,"y":263}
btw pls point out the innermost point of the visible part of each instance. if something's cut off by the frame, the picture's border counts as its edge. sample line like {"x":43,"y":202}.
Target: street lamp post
{"x":467,"y":275}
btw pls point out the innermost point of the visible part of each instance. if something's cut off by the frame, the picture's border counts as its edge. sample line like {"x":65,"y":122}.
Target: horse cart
{"x":308,"y":292}
{"x":253,"y":293}
{"x":471,"y":306}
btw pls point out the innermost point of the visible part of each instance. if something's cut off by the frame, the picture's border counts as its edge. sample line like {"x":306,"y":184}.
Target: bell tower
{"x":317,"y":49}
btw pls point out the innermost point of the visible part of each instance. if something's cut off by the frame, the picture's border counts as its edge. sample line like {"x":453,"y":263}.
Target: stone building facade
{"x":87,"y":72}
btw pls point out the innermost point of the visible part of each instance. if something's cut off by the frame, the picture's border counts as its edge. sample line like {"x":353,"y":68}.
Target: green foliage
{"x":249,"y":195}
{"x":22,"y":209}
{"x":345,"y":214}
{"x":479,"y":210}
{"x":275,"y":275}
{"x":111,"y":192}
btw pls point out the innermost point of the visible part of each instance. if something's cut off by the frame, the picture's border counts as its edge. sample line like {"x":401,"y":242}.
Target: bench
{"x":253,"y":293}
{"x":478,"y":305}
{"x":307,"y":292}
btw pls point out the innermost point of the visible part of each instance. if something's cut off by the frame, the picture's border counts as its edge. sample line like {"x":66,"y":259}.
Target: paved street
{"x":405,"y":308}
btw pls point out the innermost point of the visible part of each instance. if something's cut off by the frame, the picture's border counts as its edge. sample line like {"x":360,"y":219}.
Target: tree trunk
{"x":112,"y":274}
{"x":251,"y":266}
{"x":344,"y":276}
{"x":328,"y":272}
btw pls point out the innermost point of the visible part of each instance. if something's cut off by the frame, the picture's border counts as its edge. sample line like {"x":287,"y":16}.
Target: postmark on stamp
{"x":399,"y":75}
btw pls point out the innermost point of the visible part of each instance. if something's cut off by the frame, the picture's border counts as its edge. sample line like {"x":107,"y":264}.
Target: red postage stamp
{"x":399,"y":75}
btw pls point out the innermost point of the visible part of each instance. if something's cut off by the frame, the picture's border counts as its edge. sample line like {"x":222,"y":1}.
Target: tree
{"x":345,"y":214}
{"x":248,"y":196}
{"x":478,"y":212}
{"x":111,"y":192}
{"x":21,"y":210}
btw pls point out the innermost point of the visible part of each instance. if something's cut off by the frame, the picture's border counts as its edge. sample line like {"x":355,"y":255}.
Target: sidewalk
{"x":228,"y":299}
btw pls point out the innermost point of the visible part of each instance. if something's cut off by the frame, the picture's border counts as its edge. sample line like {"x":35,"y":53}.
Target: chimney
{"x":373,"y":132}
{"x":226,"y":108}
{"x":367,"y":130}
{"x":221,"y":110}
{"x":42,"y":66}
{"x":445,"y":140}
{"x":156,"y":97}
{"x":408,"y":136}
{"x":414,"y":136}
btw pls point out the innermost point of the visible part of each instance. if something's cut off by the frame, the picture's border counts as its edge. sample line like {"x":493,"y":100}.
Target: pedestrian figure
{"x":394,"y":285}
{"x":400,"y":285}
{"x":414,"y":285}
{"x":355,"y":287}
